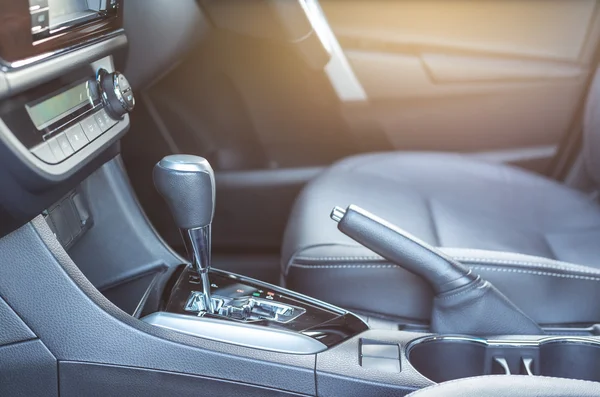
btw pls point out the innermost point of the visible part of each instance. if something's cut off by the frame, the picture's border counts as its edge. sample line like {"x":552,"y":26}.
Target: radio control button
{"x":64,"y":145}
{"x":91,"y":128}
{"x":104,"y":120}
{"x":101,"y":123}
{"x":128,"y":97}
{"x":123,"y":83}
{"x":59,"y":153}
{"x":117,"y":95}
{"x":76,"y":137}
{"x":44,"y":153}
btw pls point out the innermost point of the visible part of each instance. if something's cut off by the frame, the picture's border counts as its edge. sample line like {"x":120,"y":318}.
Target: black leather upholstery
{"x":479,"y":213}
{"x":187,"y":183}
{"x":511,"y":386}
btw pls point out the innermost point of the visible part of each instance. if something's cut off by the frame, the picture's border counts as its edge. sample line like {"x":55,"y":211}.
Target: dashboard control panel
{"x":57,"y":125}
{"x":66,"y":142}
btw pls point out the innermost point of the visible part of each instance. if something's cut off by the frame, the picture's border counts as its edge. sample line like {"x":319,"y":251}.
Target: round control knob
{"x":116,"y":93}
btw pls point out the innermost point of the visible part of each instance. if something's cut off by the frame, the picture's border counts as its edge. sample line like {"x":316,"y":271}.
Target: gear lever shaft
{"x":187,"y":184}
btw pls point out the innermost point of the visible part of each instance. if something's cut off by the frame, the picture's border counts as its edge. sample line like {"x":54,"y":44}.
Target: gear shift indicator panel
{"x":239,"y":299}
{"x":244,"y":308}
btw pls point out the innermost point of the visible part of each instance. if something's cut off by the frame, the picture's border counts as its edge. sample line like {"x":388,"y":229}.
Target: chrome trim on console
{"x":117,"y":90}
{"x":184,"y":163}
{"x":21,"y":75}
{"x":240,"y":334}
{"x":7,"y":66}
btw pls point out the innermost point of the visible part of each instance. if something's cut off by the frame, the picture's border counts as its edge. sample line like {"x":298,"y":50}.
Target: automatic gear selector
{"x":219,"y":305}
{"x":187,"y":183}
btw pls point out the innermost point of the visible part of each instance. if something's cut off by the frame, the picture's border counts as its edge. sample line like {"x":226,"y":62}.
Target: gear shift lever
{"x":187,"y":184}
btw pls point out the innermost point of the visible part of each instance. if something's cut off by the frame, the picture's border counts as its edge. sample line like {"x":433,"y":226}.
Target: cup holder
{"x":575,"y":360}
{"x":444,"y":358}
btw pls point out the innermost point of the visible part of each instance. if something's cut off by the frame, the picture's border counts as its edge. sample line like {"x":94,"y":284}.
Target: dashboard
{"x":63,"y":104}
{"x":35,"y":29}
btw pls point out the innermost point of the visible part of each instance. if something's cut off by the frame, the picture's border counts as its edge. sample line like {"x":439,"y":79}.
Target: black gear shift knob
{"x":187,"y":184}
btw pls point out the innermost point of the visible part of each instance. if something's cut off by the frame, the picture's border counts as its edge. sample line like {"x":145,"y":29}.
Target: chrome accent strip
{"x":236,"y":333}
{"x":338,"y":69}
{"x":24,"y":74}
{"x":8,"y":66}
{"x":184,"y":163}
{"x":117,"y":90}
{"x":198,"y":243}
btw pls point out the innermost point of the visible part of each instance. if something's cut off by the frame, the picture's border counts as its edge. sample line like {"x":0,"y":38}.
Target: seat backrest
{"x":591,"y":130}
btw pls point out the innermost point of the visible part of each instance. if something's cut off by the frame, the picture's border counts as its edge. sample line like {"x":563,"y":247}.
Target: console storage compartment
{"x":444,"y":358}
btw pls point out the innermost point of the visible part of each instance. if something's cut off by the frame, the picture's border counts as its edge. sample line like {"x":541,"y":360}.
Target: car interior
{"x":300,"y":198}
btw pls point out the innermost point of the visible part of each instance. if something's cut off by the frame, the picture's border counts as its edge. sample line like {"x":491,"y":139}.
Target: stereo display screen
{"x":48,"y":111}
{"x":52,"y":16}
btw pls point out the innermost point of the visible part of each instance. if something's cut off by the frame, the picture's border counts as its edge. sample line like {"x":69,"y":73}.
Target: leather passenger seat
{"x":536,"y":240}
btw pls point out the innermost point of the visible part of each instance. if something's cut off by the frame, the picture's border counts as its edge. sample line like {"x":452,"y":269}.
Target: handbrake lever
{"x":464,"y":302}
{"x":442,"y":272}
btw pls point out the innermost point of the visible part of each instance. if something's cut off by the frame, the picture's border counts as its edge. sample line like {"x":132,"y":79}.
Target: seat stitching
{"x":364,"y":266}
{"x":295,"y":253}
{"x":340,"y":258}
{"x":475,"y":251}
{"x":526,"y":263}
{"x":489,"y":261}
{"x":497,"y":269}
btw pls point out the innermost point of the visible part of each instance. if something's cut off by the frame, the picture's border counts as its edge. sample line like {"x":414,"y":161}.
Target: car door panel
{"x":469,"y":76}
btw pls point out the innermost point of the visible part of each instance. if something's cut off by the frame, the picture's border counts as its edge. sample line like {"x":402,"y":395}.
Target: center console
{"x":352,"y":358}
